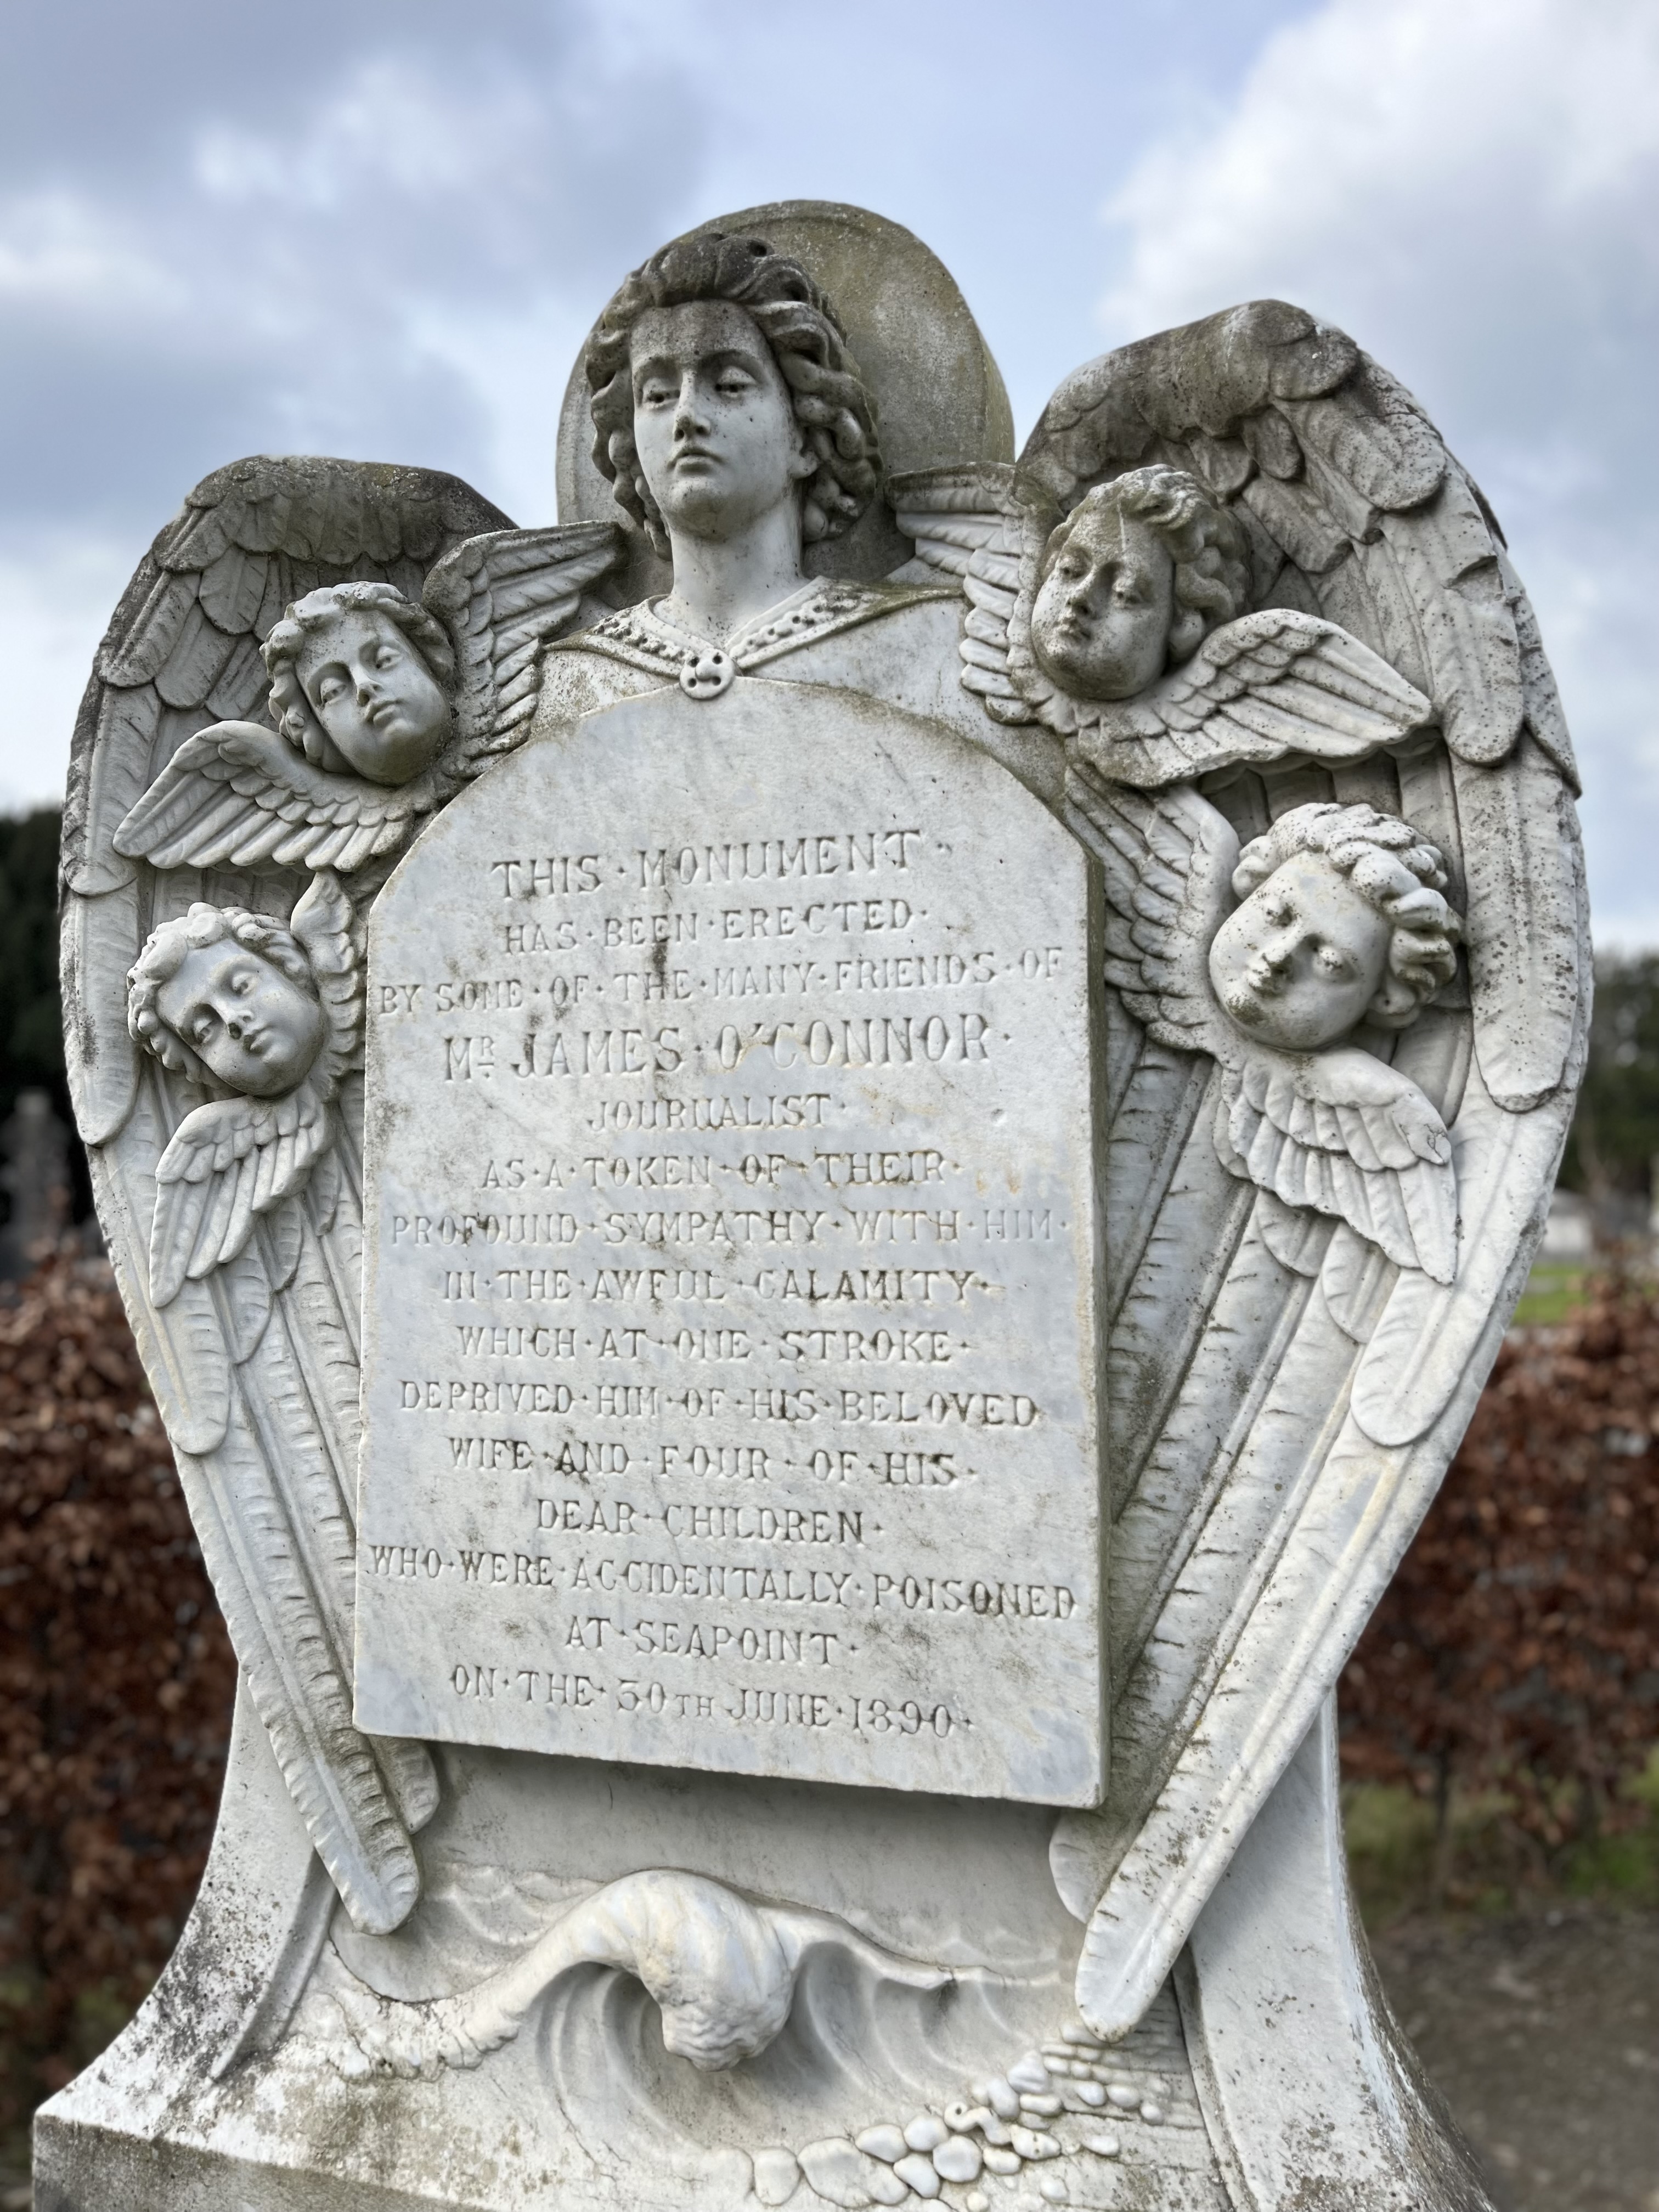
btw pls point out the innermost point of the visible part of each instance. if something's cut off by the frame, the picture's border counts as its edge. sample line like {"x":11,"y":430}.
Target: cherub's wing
{"x":1168,"y":862}
{"x":504,"y":597}
{"x":1274,"y":683}
{"x":228,"y":1162}
{"x":254,"y":1364}
{"x":1343,"y":1134}
{"x":237,"y":795}
{"x":1284,"y":1396}
{"x":967,"y":524}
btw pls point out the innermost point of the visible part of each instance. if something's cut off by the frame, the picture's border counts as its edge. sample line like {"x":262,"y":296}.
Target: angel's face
{"x":1299,"y":962}
{"x":1101,"y":623}
{"x":714,"y":424}
{"x":257,"y":1031}
{"x":380,"y":703}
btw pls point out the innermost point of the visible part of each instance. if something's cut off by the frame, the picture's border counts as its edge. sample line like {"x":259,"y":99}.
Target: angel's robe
{"x":896,"y":642}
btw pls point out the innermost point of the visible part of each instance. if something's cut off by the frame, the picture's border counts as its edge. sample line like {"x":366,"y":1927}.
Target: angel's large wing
{"x":1356,"y":511}
{"x":968,"y":524}
{"x":254,"y":1364}
{"x":504,"y":597}
{"x":327,"y":926}
{"x":1169,"y":863}
{"x":1283,"y":1399}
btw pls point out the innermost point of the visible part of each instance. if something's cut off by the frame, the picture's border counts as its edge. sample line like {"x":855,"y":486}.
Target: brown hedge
{"x":116,"y":1678}
{"x":1519,"y":1643}
{"x":1517,"y":1648}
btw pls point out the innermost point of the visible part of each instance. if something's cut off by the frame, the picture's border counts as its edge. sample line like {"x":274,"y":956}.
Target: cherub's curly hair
{"x":1206,"y":544}
{"x":835,"y":408}
{"x":1391,"y":865}
{"x":165,"y":952}
{"x":290,"y":709}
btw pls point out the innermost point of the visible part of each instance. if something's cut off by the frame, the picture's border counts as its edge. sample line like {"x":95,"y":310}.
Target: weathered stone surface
{"x":885,"y":2141}
{"x":902,"y":310}
{"x":958,"y":2158}
{"x":777,"y":2176}
{"x":729,"y":1296}
{"x":849,"y":1014}
{"x":919,"y":2174}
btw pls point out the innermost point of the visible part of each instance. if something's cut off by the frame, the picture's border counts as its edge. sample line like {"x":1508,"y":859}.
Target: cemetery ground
{"x":1533,"y":2002}
{"x":1499,"y":1721}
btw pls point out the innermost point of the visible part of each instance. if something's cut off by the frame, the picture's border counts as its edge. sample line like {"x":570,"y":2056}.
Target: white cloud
{"x":392,"y":126}
{"x":397,"y":262}
{"x":1382,"y":135}
{"x":516,"y":360}
{"x":60,"y":250}
{"x":1469,"y":190}
{"x":56,"y":595}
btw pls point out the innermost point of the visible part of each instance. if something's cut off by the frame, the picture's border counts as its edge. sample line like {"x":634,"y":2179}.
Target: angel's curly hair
{"x":290,"y":709}
{"x":1391,"y":865}
{"x":1205,"y":542}
{"x":834,"y":406}
{"x":167,"y":948}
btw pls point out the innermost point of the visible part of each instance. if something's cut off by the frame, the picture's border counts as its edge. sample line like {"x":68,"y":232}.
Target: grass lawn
{"x":1554,"y":1289}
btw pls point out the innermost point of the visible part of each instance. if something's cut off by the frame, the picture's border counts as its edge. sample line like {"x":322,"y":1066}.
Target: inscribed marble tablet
{"x":731,"y":1363}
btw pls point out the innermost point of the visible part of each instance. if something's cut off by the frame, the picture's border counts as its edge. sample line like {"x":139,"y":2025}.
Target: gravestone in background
{"x":815,"y":1171}
{"x":35,"y":1178}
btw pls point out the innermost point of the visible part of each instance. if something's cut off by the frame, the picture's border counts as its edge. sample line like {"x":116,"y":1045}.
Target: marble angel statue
{"x":1247,"y":633}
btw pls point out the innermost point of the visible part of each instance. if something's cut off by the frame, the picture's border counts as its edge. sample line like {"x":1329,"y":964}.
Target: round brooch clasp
{"x":708,"y":674}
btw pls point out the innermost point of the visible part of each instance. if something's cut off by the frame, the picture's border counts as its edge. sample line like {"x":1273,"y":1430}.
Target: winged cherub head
{"x":722,"y":388}
{"x":1342,"y":921}
{"x":1132,"y":582}
{"x":361,"y":679}
{"x":227,"y":998}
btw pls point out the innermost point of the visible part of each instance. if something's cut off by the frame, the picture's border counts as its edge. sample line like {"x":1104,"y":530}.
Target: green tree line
{"x":1614,"y":1141}
{"x":31,"y":1029}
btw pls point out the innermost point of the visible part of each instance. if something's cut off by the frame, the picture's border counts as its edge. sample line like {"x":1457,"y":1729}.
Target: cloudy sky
{"x":344,"y":226}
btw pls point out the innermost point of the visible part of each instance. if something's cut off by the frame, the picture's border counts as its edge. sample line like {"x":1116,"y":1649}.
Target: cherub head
{"x":362,"y":678}
{"x":1132,"y":581}
{"x":227,"y":998}
{"x":721,"y":385}
{"x":1342,"y":922}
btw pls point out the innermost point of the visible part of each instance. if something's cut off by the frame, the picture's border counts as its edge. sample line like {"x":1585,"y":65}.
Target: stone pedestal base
{"x":282,"y":2063}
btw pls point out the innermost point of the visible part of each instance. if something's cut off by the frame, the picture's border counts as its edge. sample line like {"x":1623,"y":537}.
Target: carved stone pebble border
{"x":998,"y":2130}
